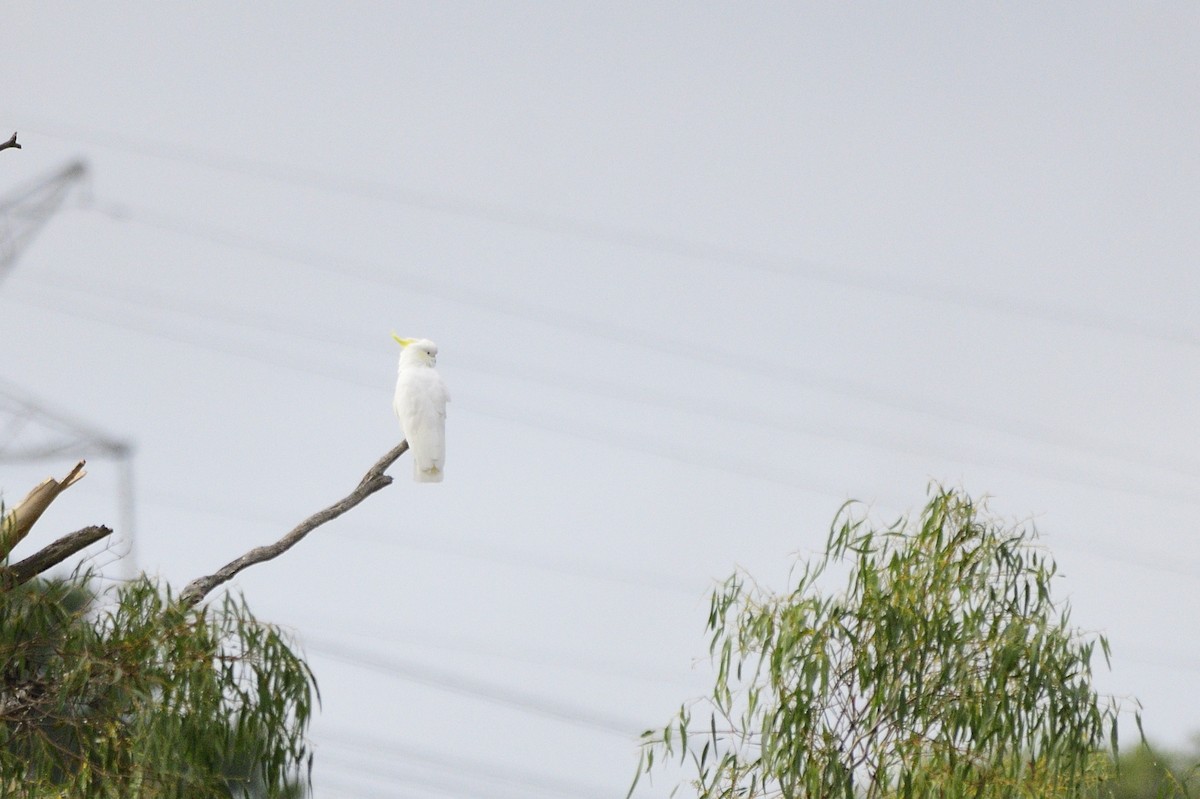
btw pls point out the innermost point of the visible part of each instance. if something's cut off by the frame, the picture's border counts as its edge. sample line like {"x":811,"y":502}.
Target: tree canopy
{"x":142,"y":693}
{"x":943,"y":667}
{"x":139,"y":696}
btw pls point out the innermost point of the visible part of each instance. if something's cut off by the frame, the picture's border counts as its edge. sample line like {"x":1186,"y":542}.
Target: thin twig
{"x":374,"y":480}
{"x":52,"y":555}
{"x":10,"y":143}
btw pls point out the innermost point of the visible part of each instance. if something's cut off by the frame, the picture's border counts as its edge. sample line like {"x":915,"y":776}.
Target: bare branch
{"x":10,"y":143}
{"x":374,"y":480}
{"x":52,"y":555}
{"x":17,"y":523}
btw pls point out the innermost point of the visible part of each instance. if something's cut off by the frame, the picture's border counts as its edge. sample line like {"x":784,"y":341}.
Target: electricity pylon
{"x":29,"y":429}
{"x":24,"y":212}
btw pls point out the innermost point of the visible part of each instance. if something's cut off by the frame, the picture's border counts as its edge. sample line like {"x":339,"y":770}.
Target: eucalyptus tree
{"x":139,"y":696}
{"x":142,"y":692}
{"x":926,"y":658}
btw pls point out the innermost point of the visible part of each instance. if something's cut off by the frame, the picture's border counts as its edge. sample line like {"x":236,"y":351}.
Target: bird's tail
{"x":428,"y":474}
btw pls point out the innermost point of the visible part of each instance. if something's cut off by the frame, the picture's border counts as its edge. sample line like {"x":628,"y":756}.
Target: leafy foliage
{"x":139,"y":697}
{"x":1145,"y":773}
{"x":943,"y":669}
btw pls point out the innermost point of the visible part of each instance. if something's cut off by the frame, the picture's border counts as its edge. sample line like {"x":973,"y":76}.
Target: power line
{"x":445,"y":783}
{"x":718,"y":411}
{"x":404,"y":669}
{"x":661,"y":448}
{"x":707,"y":355}
{"x":696,"y":456}
{"x":564,"y":226}
{"x":474,"y":551}
{"x":349,"y":782}
{"x":1162,"y":563}
{"x":589,"y":663}
{"x":395,"y":751}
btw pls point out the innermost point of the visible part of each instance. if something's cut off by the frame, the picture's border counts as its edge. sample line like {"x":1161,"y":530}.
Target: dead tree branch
{"x":52,"y":555}
{"x":10,"y":143}
{"x":374,"y":480}
{"x":17,"y":523}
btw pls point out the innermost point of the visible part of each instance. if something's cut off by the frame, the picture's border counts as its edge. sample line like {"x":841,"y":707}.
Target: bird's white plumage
{"x":420,"y":405}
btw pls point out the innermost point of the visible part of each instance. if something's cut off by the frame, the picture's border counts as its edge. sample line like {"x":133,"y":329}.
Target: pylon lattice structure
{"x":30,"y":430}
{"x":24,"y":212}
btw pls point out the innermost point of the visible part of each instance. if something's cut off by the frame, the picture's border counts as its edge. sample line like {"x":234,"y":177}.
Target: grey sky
{"x":697,"y":273}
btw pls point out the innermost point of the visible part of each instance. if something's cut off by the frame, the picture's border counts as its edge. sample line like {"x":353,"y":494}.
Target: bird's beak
{"x":403,"y":342}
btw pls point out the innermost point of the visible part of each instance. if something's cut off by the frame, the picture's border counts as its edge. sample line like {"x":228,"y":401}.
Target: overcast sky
{"x":698,"y":274}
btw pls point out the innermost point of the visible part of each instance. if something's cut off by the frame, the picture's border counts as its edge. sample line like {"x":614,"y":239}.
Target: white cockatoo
{"x":420,"y":405}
